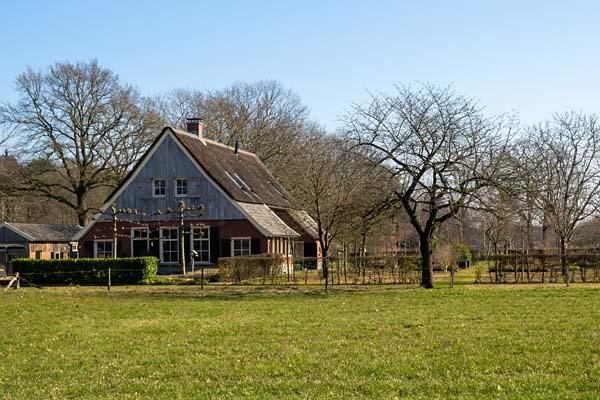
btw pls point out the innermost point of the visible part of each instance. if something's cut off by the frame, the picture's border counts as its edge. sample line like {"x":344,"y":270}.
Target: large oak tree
{"x":88,"y":125}
{"x":264,"y":117}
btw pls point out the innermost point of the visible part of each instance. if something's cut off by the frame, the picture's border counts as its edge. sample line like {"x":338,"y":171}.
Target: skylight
{"x":233,"y":180}
{"x":244,"y":184}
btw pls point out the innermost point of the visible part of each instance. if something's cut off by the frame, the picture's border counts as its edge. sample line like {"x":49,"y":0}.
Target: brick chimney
{"x":194,"y":126}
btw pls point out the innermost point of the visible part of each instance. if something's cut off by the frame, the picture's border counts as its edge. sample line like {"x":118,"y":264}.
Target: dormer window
{"x":159,"y":188}
{"x":181,"y":187}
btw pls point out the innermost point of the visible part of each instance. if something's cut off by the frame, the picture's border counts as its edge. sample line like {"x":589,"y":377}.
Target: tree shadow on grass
{"x":223,"y":292}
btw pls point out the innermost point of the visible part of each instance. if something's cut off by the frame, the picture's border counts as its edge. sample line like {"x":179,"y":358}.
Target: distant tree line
{"x":420,"y":168}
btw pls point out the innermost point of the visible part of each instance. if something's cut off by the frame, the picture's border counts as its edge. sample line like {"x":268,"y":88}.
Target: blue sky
{"x":532,"y":57}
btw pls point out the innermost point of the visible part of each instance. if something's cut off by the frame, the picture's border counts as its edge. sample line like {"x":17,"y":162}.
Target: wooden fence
{"x":346,"y":270}
{"x":539,"y":268}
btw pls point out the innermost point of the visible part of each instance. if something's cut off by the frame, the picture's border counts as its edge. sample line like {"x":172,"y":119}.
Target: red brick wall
{"x":227,"y":229}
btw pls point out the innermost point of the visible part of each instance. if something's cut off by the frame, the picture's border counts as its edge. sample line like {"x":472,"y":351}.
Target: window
{"x":159,"y":188}
{"x":139,"y":242}
{"x":233,"y":180}
{"x":73,"y":251}
{"x":38,"y":254}
{"x":243,"y":183}
{"x":181,"y":187}
{"x":240,"y":247}
{"x":139,"y":233}
{"x":103,"y":248}
{"x":298,"y":249}
{"x":169,"y":245}
{"x":201,"y":243}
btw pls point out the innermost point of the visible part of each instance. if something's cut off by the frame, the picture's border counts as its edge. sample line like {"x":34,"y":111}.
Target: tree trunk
{"x":426,"y":266}
{"x":544,"y":234}
{"x":563,"y":260}
{"x":324,"y":251}
{"x":325,"y":271}
{"x":528,"y":233}
{"x":82,"y":215}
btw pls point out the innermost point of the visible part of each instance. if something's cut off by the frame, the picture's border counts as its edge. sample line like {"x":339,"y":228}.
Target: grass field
{"x":179,"y":342}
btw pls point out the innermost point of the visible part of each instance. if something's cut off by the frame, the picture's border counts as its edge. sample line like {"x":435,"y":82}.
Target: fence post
{"x":18,"y":280}
{"x":452,"y":277}
{"x":109,"y":278}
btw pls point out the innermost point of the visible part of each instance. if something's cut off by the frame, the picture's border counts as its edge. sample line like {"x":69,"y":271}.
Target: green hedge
{"x":87,"y":271}
{"x":259,"y":266}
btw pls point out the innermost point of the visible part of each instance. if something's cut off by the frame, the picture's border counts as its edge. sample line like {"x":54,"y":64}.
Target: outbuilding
{"x":38,"y":241}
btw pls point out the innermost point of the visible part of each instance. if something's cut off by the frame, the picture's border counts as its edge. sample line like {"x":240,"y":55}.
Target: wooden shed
{"x":39,"y":241}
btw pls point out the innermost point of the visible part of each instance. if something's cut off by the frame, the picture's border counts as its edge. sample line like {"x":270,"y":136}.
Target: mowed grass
{"x":281,"y":342}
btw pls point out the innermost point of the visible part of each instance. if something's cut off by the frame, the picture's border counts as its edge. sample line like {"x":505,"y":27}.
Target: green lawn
{"x":372,"y":342}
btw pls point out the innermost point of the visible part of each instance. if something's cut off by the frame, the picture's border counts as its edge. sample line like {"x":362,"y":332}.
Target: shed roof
{"x":45,"y":232}
{"x":299,"y":221}
{"x":267,"y":221}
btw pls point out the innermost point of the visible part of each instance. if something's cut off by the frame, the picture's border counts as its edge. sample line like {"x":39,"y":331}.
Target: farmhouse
{"x":39,"y":241}
{"x":244,"y":209}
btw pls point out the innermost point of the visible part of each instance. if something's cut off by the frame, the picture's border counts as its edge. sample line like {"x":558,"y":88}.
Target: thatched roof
{"x":243,"y":176}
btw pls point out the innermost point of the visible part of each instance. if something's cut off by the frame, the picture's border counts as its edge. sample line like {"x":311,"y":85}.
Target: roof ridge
{"x":204,"y":139}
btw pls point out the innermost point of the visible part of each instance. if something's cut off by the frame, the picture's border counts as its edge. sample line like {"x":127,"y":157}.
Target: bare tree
{"x":263,"y":117}
{"x":439,"y":146}
{"x":88,"y":125}
{"x":10,"y":174}
{"x":178,"y":104}
{"x":23,"y":206}
{"x":497,"y":215}
{"x":566,"y":168}
{"x":521,"y":199}
{"x":329,"y":181}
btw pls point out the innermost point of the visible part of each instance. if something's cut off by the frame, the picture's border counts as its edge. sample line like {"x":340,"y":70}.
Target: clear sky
{"x":532,"y":57}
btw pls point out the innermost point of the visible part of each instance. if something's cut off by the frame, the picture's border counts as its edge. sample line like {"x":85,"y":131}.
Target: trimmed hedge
{"x":244,"y":268}
{"x":87,"y":271}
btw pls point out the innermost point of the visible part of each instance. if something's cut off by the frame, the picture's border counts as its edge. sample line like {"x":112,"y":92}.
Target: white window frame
{"x":104,"y":241}
{"x":233,"y":239}
{"x":162,"y":240}
{"x":154,"y":187}
{"x":187,"y":187}
{"x":133,"y":238}
{"x":193,"y":239}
